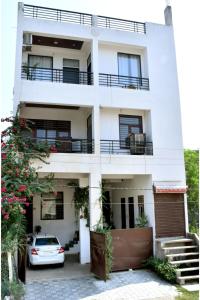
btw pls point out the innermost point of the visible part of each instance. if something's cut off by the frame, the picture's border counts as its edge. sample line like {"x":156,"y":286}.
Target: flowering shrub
{"x":19,"y":179}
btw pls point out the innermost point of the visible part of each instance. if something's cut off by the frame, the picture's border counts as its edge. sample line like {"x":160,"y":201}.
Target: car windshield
{"x":46,"y":241}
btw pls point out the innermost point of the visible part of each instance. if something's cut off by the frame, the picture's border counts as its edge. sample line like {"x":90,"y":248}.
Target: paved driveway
{"x":129,"y":285}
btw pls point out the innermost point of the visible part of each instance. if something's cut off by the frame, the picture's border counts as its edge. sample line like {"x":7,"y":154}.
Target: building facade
{"x":104,"y":93}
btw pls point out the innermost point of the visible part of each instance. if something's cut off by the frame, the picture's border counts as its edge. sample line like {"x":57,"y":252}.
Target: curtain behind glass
{"x":37,"y":62}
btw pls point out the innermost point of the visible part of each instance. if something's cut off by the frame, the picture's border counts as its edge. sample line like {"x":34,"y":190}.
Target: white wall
{"x":63,"y":229}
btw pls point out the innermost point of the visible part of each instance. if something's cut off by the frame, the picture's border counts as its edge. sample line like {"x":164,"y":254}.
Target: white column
{"x":94,"y":199}
{"x":186,"y":214}
{"x":95,"y":61}
{"x":96,"y":129}
{"x":84,"y":232}
{"x":18,"y":56}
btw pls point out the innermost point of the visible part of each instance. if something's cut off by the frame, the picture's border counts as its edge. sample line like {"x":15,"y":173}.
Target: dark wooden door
{"x":89,"y":134}
{"x":131,"y":212}
{"x":123,"y":212}
{"x":169,"y":215}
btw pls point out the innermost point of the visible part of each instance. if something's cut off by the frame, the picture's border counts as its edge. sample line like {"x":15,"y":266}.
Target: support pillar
{"x":94,"y":201}
{"x":84,"y":231}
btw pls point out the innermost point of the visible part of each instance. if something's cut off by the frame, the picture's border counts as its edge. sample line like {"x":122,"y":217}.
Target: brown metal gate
{"x":21,"y":263}
{"x":98,"y":260}
{"x":130,"y":248}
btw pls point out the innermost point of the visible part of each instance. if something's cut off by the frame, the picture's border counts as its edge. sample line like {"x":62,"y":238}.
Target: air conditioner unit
{"x":27,"y":42}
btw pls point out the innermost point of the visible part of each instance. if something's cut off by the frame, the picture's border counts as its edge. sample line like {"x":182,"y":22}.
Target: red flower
{"x":27,"y":204}
{"x":3,"y":156}
{"x":23,"y":211}
{"x":3,"y":145}
{"x":53,"y":149}
{"x":14,"y":129}
{"x":3,"y":189}
{"x":10,"y":200}
{"x":22,"y":188}
{"x":6,"y":216}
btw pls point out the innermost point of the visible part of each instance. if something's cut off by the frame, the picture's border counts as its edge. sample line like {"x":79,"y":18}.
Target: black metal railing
{"x":66,"y":145}
{"x":121,"y":147}
{"x":120,"y":24}
{"x":58,"y":15}
{"x":52,"y":14}
{"x":124,"y":81}
{"x":57,"y":75}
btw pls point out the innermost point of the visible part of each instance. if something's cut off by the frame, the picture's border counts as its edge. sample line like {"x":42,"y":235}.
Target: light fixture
{"x":55,"y":42}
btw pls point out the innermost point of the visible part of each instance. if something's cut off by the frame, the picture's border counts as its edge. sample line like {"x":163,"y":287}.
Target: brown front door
{"x":169,"y":215}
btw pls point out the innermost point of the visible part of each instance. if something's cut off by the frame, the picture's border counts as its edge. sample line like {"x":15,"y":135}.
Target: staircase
{"x":183,"y":253}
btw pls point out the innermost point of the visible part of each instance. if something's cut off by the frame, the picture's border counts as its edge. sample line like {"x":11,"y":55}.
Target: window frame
{"x":140,"y":126}
{"x":129,"y":67}
{"x":141,"y":211}
{"x":55,"y":198}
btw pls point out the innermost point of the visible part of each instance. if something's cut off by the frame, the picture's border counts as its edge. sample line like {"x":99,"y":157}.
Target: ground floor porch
{"x":117,"y":201}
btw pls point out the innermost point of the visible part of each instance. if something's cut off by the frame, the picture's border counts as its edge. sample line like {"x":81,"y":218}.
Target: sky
{"x":186,"y":30}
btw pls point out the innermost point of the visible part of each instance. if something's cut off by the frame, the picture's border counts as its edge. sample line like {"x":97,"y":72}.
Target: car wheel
{"x":62,"y":265}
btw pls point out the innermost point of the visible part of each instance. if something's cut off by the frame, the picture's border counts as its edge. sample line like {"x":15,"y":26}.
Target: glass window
{"x":129,"y":65}
{"x":71,"y":63}
{"x":46,"y":241}
{"x":141,"y":206}
{"x":41,"y":67}
{"x":52,"y":208}
{"x":128,"y":125}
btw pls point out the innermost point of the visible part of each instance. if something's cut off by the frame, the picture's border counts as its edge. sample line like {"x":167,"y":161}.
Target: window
{"x":129,"y":65}
{"x":52,"y":208}
{"x":46,"y":241}
{"x":141,"y":206}
{"x":41,"y":67}
{"x":55,"y":132}
{"x":128,"y":125}
{"x":70,"y":70}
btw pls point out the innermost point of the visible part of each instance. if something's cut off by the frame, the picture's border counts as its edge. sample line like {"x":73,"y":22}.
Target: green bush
{"x":162,"y":267}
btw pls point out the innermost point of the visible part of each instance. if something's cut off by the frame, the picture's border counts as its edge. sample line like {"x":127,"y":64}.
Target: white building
{"x":89,"y":82}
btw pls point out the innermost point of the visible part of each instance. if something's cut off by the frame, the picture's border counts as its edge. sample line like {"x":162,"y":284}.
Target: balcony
{"x":121,"y":147}
{"x":56,"y":75}
{"x":58,"y":15}
{"x":127,"y":82}
{"x":67,"y":145}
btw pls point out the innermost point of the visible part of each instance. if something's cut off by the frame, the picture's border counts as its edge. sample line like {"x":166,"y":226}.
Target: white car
{"x":45,"y":250}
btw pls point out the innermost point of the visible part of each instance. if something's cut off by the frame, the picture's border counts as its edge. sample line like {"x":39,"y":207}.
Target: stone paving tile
{"x":130,"y":285}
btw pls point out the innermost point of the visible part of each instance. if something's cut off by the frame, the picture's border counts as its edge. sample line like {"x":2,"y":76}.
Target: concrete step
{"x":187,"y":269}
{"x":181,"y":279}
{"x":184,"y":240}
{"x":180,"y":247}
{"x":181,"y":254}
{"x":179,"y":262}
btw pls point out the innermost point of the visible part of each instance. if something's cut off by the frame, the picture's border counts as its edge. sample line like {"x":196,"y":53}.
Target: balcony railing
{"x":120,"y":24}
{"x":58,"y":15}
{"x":121,"y":147}
{"x":66,"y":145}
{"x":127,"y":82}
{"x":57,"y":75}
